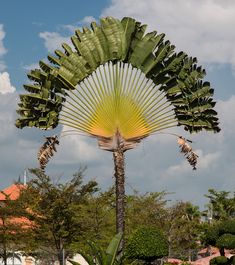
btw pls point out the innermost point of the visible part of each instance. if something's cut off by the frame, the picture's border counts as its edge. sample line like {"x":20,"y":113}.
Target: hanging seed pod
{"x":47,"y":150}
{"x":186,"y":149}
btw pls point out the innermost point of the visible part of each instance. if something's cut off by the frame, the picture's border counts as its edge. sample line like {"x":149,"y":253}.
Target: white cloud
{"x":2,"y":66}
{"x":53,"y":40}
{"x":5,"y":84}
{"x":226,"y":110}
{"x":201,"y":28}
{"x":77,"y":147}
{"x":204,"y":162}
{"x":87,"y":20}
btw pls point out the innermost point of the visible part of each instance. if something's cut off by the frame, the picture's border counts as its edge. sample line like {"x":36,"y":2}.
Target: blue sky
{"x":30,"y":30}
{"x":24,"y":20}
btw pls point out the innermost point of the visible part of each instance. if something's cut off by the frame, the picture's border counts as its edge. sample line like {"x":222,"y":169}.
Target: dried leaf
{"x":47,"y":150}
{"x":186,"y":149}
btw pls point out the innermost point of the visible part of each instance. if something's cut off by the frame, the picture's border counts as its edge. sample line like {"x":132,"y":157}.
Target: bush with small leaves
{"x":221,"y":260}
{"x":226,"y":241}
{"x":226,"y":227}
{"x":211,"y":235}
{"x":147,"y":244}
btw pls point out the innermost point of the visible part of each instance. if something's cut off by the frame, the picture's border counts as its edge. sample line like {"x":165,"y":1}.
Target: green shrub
{"x":226,"y":241}
{"x":147,"y":244}
{"x":212,"y":233}
{"x":227,"y":227}
{"x":221,"y":260}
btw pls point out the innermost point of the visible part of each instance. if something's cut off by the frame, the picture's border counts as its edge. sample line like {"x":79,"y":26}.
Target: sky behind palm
{"x":204,"y":29}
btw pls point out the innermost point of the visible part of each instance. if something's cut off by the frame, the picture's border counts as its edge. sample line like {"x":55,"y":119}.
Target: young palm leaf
{"x":119,"y":85}
{"x":186,"y":149}
{"x":47,"y":150}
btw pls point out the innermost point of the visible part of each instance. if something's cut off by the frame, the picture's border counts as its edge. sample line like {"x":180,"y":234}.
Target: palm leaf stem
{"x":158,"y":109}
{"x":163,"y":123}
{"x":73,"y":116}
{"x":147,"y":92}
{"x":149,"y":104}
{"x":159,"y":120}
{"x":102,"y":79}
{"x":163,"y":128}
{"x":133,"y":85}
{"x":138,"y":88}
{"x":84,"y":105}
{"x":74,"y":124}
{"x":74,"y":110}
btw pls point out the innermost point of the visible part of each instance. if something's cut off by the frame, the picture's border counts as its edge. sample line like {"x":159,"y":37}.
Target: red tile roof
{"x":12,"y":191}
{"x":22,"y":221}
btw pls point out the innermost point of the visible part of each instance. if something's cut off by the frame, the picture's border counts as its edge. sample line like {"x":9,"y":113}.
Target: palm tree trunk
{"x":118,"y":157}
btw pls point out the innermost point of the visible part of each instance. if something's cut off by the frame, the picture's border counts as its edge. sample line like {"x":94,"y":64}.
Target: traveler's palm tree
{"x":119,"y":85}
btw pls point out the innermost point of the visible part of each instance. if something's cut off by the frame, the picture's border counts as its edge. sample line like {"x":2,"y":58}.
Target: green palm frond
{"x":118,"y":79}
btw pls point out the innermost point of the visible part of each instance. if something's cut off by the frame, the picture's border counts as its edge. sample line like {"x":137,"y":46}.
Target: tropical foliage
{"x":117,"y":46}
{"x":98,"y":256}
{"x":119,"y":85}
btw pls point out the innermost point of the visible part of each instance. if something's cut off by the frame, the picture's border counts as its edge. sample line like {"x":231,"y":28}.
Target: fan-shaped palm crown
{"x":118,"y":84}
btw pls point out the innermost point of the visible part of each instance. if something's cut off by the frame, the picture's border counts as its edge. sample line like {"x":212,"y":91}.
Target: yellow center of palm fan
{"x":118,"y":113}
{"x":117,"y":98}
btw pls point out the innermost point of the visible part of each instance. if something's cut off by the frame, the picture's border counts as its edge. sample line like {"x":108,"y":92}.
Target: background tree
{"x":147,"y":209}
{"x":13,"y":229}
{"x":222,"y":205}
{"x":118,"y":85}
{"x":99,"y":215}
{"x":183,"y":228}
{"x":55,"y":212}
